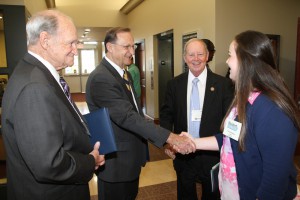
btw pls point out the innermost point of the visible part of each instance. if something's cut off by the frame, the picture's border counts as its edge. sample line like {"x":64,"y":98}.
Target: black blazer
{"x":45,"y":141}
{"x":218,"y":97}
{"x":106,"y":88}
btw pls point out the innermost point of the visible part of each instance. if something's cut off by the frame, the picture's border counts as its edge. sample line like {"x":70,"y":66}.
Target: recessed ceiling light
{"x":91,"y":42}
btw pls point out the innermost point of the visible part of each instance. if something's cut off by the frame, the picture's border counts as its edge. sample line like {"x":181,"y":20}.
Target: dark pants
{"x":120,"y":190}
{"x":191,"y":169}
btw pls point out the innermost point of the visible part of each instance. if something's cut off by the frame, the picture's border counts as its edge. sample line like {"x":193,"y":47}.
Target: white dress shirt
{"x":201,"y":86}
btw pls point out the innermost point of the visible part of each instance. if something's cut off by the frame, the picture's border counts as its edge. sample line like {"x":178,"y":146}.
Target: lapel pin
{"x":212,"y":89}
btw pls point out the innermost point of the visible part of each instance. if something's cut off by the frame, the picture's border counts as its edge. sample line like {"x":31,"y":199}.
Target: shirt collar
{"x":119,"y":69}
{"x":202,"y":77}
{"x":50,"y":67}
{"x":253,"y":96}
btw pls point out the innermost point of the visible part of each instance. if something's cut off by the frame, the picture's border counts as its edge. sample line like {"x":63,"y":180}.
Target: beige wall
{"x":268,"y":16}
{"x":219,"y":21}
{"x":156,"y":16}
{"x":34,"y":6}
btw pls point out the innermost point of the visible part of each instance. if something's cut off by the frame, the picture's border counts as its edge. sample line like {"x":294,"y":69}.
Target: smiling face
{"x":232,"y":61}
{"x":122,"y":50}
{"x":196,"y":56}
{"x":62,"y":47}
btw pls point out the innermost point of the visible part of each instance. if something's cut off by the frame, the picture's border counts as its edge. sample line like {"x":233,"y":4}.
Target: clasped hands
{"x":183,"y":143}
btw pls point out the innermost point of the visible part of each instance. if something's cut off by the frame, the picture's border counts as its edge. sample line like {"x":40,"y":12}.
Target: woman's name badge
{"x":232,"y":129}
{"x":196,"y":115}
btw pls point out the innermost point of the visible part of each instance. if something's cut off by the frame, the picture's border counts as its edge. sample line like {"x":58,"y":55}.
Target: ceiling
{"x":72,"y":6}
{"x":96,"y":33}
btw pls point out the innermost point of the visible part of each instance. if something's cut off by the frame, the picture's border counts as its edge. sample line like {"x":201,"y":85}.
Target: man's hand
{"x":170,"y":151}
{"x":181,"y":144}
{"x":99,"y":159}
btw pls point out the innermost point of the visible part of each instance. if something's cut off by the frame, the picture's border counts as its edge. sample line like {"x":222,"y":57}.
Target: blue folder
{"x":100,"y":128}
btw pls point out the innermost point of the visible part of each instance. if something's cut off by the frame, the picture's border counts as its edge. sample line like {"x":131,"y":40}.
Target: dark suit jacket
{"x":218,"y":97}
{"x":106,"y":88}
{"x":47,"y":146}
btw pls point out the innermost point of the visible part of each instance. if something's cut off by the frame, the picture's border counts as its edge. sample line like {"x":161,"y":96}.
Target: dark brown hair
{"x":257,"y":72}
{"x":111,"y":35}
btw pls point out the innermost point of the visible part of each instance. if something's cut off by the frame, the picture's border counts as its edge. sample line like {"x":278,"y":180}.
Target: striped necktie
{"x":65,"y":87}
{"x":125,"y":77}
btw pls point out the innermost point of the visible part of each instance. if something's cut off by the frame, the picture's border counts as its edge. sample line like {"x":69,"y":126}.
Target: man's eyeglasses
{"x":126,"y":47}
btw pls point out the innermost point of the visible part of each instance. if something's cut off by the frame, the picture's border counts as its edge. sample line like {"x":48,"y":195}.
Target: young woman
{"x":261,"y":127}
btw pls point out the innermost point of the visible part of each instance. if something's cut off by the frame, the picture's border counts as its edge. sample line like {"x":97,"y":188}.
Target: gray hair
{"x":192,"y":40}
{"x":43,"y":21}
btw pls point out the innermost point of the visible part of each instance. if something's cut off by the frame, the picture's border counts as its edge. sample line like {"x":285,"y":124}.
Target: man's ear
{"x":109,"y":46}
{"x":44,"y":39}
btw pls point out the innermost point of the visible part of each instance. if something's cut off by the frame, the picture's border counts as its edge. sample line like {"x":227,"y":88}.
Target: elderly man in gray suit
{"x":49,"y":155}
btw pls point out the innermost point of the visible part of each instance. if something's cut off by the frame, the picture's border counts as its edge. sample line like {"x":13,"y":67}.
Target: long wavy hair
{"x":257,"y":72}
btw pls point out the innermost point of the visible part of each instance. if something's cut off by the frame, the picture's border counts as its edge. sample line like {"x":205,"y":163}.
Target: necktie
{"x":194,"y":124}
{"x":126,"y":80}
{"x":125,"y":77}
{"x":65,"y":87}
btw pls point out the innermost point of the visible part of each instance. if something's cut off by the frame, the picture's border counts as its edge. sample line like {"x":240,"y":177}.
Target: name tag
{"x":196,"y":115}
{"x":232,"y":129}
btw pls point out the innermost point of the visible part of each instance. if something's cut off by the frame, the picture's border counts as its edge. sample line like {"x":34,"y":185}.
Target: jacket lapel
{"x":31,"y":59}
{"x":117,"y":76}
{"x":210,"y":93}
{"x":183,"y":96}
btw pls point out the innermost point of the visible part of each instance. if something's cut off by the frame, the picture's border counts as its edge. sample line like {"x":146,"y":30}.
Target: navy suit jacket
{"x":47,"y":146}
{"x":106,"y":88}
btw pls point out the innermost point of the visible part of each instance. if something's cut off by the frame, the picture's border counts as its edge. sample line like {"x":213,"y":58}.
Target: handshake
{"x":183,"y":143}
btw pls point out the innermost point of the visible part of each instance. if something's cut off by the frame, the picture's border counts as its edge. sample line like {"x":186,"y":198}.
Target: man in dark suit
{"x":215,"y":94}
{"x":49,"y":155}
{"x":110,"y":85}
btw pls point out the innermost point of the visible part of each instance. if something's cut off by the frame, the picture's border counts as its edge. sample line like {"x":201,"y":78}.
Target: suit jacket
{"x":47,"y":146}
{"x":218,"y":97}
{"x":106,"y":88}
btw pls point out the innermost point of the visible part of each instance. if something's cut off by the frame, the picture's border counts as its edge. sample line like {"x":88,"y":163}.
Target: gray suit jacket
{"x":47,"y":145}
{"x":106,"y":88}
